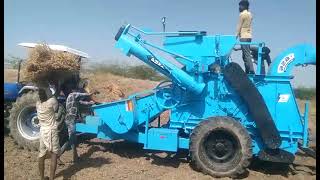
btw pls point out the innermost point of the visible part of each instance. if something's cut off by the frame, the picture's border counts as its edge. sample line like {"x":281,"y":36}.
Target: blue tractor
{"x":20,"y":100}
{"x":11,"y":92}
{"x":221,"y":115}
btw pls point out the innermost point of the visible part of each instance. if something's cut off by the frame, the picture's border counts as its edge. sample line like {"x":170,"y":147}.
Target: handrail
{"x":251,"y":43}
{"x":168,"y":33}
{"x":260,"y":45}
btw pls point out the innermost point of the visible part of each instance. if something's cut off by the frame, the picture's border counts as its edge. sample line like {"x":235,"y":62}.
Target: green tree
{"x":14,"y":61}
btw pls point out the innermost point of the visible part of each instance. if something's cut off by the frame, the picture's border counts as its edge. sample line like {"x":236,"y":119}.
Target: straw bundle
{"x":44,"y":64}
{"x":114,"y":91}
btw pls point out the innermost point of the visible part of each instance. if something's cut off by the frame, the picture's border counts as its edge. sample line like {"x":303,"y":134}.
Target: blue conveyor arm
{"x":133,"y":44}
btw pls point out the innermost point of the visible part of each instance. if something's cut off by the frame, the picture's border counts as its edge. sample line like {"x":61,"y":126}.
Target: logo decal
{"x":155,"y":61}
{"x":283,"y":97}
{"x":285,"y":62}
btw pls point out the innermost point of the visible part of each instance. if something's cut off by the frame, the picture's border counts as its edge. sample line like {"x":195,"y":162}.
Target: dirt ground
{"x":123,"y":160}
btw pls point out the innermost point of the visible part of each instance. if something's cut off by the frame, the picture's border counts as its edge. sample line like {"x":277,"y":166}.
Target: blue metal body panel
{"x":120,"y":120}
{"x":91,"y":126}
{"x":198,"y":93}
{"x":162,"y":139}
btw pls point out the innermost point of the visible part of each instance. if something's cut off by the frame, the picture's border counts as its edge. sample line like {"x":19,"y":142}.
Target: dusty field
{"x":10,"y":75}
{"x":111,"y":87}
{"x":123,"y":160}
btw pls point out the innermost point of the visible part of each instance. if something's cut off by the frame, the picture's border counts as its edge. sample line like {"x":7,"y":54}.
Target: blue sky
{"x":90,"y":26}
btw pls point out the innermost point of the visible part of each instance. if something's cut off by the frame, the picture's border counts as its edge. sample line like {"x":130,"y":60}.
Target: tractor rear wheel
{"x":220,"y":147}
{"x":24,"y":124}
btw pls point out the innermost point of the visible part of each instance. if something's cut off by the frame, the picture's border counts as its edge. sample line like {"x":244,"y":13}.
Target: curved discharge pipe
{"x":299,"y":55}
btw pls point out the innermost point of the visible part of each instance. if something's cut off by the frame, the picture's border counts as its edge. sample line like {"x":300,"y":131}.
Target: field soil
{"x":123,"y":160}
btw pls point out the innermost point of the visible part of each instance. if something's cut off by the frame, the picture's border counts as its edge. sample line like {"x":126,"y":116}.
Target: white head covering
{"x":52,"y":89}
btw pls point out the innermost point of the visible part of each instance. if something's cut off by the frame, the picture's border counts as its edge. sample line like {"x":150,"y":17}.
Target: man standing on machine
{"x":244,"y":32}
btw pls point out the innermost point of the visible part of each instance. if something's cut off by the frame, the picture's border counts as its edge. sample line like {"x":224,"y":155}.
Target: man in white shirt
{"x":49,"y":133}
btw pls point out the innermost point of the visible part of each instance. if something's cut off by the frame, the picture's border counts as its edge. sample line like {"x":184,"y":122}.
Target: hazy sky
{"x":90,"y":25}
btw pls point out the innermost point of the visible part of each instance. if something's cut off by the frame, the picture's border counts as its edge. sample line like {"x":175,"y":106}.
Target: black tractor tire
{"x":7,"y":107}
{"x":220,"y":147}
{"x":23,"y":103}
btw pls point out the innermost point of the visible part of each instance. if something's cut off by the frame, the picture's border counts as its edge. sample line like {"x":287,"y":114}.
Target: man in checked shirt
{"x":73,"y":101}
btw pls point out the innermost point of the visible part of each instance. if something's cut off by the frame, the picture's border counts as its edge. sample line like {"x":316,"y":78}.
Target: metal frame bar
{"x":146,"y":130}
{"x":260,"y":46}
{"x":137,"y":37}
{"x":167,"y":33}
{"x":305,"y":125}
{"x":169,"y":52}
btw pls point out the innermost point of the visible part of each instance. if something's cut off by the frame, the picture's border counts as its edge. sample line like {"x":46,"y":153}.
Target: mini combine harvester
{"x":223,"y":116}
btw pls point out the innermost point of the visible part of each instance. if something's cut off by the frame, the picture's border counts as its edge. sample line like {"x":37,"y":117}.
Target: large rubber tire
{"x":28,"y":101}
{"x":209,"y":160}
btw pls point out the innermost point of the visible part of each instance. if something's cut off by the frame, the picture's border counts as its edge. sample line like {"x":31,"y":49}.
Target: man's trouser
{"x":246,"y":55}
{"x":71,"y":125}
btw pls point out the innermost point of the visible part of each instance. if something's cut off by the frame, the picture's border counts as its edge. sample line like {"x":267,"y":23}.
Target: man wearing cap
{"x":244,"y":32}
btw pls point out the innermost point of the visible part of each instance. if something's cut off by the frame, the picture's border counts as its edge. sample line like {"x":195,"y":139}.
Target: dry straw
{"x":44,"y":64}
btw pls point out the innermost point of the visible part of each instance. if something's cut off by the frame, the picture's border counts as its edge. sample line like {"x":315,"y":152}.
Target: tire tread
{"x":225,"y":122}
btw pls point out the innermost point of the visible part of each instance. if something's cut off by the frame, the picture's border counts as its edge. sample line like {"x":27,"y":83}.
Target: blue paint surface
{"x":197,"y":93}
{"x":11,"y":91}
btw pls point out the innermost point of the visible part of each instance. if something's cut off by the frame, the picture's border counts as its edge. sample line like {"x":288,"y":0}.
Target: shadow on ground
{"x":134,"y":150}
{"x":273,"y":168}
{"x":85,"y":161}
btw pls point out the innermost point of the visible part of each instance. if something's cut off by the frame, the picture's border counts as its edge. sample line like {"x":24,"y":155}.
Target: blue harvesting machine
{"x":217,"y":112}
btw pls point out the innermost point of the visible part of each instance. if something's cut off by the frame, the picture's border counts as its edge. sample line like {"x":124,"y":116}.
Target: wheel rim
{"x":221,"y":146}
{"x":28,"y":123}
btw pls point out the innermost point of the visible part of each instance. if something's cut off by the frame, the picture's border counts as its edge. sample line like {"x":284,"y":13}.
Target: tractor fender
{"x":11,"y":91}
{"x":27,"y":88}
